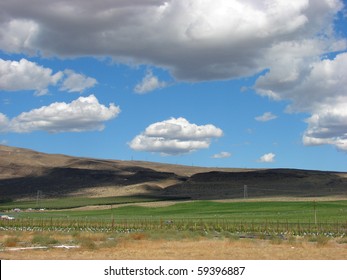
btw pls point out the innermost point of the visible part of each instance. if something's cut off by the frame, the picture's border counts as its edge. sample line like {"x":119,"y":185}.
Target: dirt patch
{"x":147,"y":188}
{"x":143,"y":204}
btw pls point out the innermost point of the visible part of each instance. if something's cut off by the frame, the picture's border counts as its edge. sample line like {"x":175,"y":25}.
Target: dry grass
{"x":142,"y":246}
{"x":50,"y":172}
{"x":188,"y":249}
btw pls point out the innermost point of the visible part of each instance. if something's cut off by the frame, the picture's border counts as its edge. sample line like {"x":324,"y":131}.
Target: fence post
{"x":266,"y":225}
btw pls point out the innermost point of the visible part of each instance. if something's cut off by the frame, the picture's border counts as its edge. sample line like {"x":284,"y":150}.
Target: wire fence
{"x":327,"y":228}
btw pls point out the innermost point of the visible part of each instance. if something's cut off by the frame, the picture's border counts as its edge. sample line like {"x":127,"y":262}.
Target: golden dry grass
{"x":140,"y":246}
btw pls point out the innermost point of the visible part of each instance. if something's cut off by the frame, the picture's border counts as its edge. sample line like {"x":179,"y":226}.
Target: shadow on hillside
{"x":62,"y":181}
{"x":59,"y":182}
{"x":261,"y":183}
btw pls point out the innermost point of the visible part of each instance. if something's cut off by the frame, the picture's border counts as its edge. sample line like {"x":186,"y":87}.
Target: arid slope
{"x":24,"y":172}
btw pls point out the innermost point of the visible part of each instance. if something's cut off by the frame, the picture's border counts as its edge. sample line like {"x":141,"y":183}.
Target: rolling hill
{"x":24,"y":173}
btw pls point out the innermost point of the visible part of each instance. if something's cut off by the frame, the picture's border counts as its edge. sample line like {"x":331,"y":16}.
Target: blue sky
{"x":207,"y":83}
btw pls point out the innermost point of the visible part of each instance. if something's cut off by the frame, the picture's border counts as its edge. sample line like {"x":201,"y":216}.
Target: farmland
{"x":250,"y":229}
{"x":123,"y":209}
{"x":295,"y":217}
{"x":292,"y":211}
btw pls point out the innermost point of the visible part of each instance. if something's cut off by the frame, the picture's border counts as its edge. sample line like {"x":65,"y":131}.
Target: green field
{"x":295,"y":217}
{"x":305,"y":211}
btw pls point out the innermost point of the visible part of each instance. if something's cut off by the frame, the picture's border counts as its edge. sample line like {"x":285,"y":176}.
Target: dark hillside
{"x":261,"y":183}
{"x":24,"y":172}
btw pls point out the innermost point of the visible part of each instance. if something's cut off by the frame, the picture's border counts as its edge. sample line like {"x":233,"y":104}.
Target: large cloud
{"x":17,"y":35}
{"x":82,"y":114}
{"x":175,"y":136}
{"x":202,"y":40}
{"x":328,"y":126}
{"x":321,"y":89}
{"x":195,"y":39}
{"x":26,"y":75}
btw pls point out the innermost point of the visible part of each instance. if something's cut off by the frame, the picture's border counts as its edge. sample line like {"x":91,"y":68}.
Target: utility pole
{"x":315,"y":212}
{"x":38,"y":195}
{"x":245,"y":191}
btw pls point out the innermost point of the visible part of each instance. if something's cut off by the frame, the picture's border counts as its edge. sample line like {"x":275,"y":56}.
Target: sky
{"x":219,"y":83}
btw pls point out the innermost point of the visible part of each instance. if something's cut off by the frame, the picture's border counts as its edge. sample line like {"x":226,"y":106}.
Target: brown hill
{"x":262,"y":183}
{"x":24,"y":172}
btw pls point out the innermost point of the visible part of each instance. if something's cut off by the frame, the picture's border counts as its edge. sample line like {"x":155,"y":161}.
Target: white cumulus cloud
{"x":267,"y":116}
{"x":26,"y":75}
{"x":175,"y":136}
{"x":321,"y":90}
{"x":82,"y":114}
{"x":149,"y":83}
{"x":328,"y":126}
{"x":198,"y":40}
{"x":266,"y":158}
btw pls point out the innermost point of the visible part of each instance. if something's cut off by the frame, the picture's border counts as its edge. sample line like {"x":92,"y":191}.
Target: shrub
{"x":320,"y":239}
{"x":44,"y":240}
{"x":342,"y":240}
{"x":11,"y":242}
{"x":138,"y":236}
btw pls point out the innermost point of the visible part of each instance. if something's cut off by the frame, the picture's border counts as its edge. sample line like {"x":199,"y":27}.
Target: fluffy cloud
{"x":17,"y":35}
{"x":320,"y":89}
{"x":328,"y":127}
{"x":270,"y":157}
{"x":149,"y":83}
{"x":26,"y":75}
{"x":267,"y":116}
{"x":75,"y":82}
{"x":315,"y":85}
{"x":175,"y":136}
{"x":222,"y":155}
{"x":82,"y":114}
{"x":196,"y":40}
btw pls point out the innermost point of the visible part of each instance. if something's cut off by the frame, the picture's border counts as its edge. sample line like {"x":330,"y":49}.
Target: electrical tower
{"x":245,"y":191}
{"x":38,"y":196}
